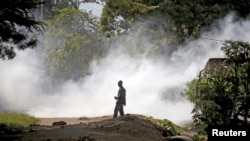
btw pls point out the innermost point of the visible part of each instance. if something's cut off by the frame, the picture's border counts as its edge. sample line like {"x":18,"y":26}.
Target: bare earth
{"x":71,"y":120}
{"x":126,"y":128}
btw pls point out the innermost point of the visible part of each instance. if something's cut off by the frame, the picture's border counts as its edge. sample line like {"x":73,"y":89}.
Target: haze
{"x":153,"y":88}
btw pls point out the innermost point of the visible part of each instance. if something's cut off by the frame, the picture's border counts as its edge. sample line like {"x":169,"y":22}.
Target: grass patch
{"x":16,"y":119}
{"x":167,"y":125}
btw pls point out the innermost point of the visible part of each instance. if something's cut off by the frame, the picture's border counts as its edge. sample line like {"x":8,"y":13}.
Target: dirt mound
{"x":126,"y":128}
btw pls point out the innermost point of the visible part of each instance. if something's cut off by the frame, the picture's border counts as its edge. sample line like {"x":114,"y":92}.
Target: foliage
{"x":72,"y":41}
{"x":221,"y":96}
{"x":239,"y":56}
{"x":213,"y":100}
{"x":190,"y":16}
{"x":16,"y":119}
{"x":241,"y":7}
{"x":18,"y":27}
{"x":169,"y":127}
{"x":197,"y":137}
{"x":117,"y":16}
{"x":60,"y":4}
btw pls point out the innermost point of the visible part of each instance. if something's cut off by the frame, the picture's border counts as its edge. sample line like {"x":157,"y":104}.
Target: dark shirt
{"x":121,"y":97}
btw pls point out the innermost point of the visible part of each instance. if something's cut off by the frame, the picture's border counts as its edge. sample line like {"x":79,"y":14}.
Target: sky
{"x":153,"y":88}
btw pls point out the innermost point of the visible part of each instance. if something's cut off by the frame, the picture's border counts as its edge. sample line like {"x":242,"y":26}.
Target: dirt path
{"x":71,"y":120}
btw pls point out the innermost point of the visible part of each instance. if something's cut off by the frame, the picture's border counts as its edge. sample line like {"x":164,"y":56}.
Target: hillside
{"x":129,"y":127}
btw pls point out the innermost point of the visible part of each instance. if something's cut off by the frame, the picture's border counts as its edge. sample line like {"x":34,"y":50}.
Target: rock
{"x":59,"y":123}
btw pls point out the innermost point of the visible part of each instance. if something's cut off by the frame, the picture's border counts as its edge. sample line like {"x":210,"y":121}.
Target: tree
{"x":222,"y":95}
{"x":242,"y":7}
{"x":117,"y":16}
{"x":72,"y":41}
{"x":239,"y":57}
{"x":18,"y":27}
{"x":212,"y":98}
{"x":46,"y":9}
{"x":190,"y":16}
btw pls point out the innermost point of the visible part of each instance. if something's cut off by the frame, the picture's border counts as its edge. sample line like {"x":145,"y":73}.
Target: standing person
{"x":120,"y":100}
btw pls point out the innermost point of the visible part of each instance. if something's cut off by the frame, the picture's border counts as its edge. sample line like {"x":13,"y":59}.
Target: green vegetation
{"x":171,"y":129}
{"x":17,"y":14}
{"x":71,"y":46}
{"x":74,"y":38}
{"x":177,"y":20}
{"x":167,"y":125}
{"x":117,"y":16}
{"x":16,"y":119}
{"x":222,"y":95}
{"x":188,"y":16}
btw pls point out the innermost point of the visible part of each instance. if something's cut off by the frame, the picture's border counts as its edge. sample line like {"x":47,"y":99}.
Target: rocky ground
{"x":126,"y":128}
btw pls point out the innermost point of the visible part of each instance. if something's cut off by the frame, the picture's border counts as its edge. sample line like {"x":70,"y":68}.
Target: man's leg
{"x":121,"y":111}
{"x":116,"y":111}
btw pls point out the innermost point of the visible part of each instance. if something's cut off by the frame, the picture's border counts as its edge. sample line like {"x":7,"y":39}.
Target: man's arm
{"x":118,"y":95}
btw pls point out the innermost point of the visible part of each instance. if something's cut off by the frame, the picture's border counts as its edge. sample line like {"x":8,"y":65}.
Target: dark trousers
{"x":118,"y":108}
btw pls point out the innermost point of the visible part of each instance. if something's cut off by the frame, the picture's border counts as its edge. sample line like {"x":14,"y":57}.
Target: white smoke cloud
{"x":153,"y":88}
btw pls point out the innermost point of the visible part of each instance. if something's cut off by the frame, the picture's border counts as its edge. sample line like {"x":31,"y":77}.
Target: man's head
{"x":120,"y":83}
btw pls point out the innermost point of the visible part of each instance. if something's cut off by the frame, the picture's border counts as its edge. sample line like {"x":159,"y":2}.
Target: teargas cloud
{"x":153,"y":87}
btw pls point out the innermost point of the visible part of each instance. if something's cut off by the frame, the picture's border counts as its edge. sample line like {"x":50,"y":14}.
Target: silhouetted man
{"x":120,"y":100}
